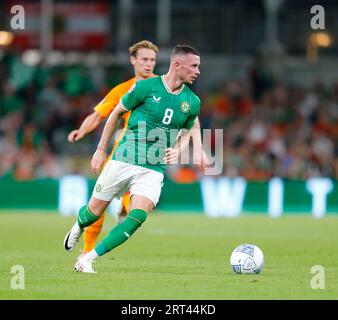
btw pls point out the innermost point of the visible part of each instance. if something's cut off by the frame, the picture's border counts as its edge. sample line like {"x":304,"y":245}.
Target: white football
{"x":247,"y":258}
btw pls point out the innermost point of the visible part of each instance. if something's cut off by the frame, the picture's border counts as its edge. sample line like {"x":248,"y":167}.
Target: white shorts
{"x":118,"y":177}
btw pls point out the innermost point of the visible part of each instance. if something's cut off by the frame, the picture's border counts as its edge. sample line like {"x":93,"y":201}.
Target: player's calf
{"x":122,"y":231}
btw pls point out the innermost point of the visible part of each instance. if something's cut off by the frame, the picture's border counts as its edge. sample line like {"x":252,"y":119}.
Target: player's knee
{"x":97,"y":206}
{"x":140,"y":202}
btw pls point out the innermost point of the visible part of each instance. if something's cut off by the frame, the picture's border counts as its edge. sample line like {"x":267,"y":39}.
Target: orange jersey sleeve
{"x":110,"y":101}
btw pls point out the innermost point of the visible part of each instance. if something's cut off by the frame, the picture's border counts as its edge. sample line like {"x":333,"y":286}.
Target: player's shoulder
{"x":148,"y":82}
{"x":146,"y":85}
{"x":121,"y":88}
{"x":126,"y":85}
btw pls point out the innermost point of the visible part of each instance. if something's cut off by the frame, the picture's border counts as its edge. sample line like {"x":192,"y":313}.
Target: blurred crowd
{"x":270,"y":128}
{"x":285,"y":131}
{"x":39,"y":106}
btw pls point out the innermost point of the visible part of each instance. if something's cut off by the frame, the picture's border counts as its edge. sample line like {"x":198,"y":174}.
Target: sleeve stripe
{"x":123,"y":107}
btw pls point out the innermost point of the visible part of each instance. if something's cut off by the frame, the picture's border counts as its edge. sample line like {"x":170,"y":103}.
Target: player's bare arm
{"x":88,"y":125}
{"x":200,"y":159}
{"x":100,"y":154}
{"x":171,"y":154}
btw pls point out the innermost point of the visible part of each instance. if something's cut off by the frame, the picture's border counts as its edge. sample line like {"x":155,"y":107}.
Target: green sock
{"x":122,"y":231}
{"x":86,"y":217}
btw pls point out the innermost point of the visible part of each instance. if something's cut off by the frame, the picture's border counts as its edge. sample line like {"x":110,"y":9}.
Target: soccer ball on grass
{"x":247,"y":258}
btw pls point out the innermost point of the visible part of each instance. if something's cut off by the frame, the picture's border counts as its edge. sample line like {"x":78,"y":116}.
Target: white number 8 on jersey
{"x":168,"y":114}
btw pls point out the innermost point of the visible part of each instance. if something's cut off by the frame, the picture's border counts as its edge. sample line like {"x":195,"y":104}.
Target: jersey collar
{"x":167,"y":88}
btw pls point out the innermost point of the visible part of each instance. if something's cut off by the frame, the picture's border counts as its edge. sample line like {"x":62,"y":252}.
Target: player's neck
{"x":174,"y":84}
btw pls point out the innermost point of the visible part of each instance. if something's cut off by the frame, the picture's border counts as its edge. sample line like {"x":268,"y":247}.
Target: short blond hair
{"x":144,"y":44}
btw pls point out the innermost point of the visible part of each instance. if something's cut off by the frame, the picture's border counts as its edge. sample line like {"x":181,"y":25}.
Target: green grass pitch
{"x":173,"y":256}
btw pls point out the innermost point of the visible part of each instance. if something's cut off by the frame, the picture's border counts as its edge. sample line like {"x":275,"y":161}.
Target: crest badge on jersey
{"x":185,"y":107}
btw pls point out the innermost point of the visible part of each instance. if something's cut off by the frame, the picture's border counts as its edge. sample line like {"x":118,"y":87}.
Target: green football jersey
{"x":157,"y":116}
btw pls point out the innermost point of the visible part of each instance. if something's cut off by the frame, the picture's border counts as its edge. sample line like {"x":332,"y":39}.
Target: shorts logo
{"x":98,"y":188}
{"x":185,"y":107}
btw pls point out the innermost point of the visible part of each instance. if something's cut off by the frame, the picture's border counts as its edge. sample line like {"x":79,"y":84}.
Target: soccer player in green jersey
{"x":163,"y":110}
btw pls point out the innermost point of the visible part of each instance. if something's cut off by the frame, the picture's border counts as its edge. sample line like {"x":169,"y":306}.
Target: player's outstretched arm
{"x":100,"y":155}
{"x":88,"y":125}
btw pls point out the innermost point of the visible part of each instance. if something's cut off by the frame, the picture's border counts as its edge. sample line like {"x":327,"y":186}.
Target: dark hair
{"x":184,"y":49}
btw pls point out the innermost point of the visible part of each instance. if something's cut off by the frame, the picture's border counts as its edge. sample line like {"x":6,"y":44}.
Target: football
{"x":247,"y":258}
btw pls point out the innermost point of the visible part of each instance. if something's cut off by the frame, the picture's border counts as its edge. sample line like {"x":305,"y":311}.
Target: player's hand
{"x":75,"y":135}
{"x":98,"y":160}
{"x":201,"y":160}
{"x":170,"y":156}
